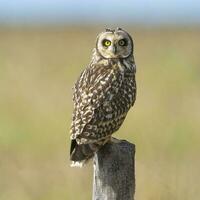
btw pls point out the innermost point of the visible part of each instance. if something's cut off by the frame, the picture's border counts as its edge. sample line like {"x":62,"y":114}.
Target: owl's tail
{"x":80,"y":154}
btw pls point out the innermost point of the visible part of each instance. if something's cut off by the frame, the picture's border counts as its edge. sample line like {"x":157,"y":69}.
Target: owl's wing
{"x":104,"y":84}
{"x":96,"y":85}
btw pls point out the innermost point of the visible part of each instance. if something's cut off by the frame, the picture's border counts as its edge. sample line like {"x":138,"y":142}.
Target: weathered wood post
{"x":114,"y":171}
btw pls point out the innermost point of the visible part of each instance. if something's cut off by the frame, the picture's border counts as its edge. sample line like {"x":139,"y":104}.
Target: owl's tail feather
{"x":80,"y":154}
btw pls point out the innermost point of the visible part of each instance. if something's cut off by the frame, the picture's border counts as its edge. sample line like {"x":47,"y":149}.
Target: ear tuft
{"x":119,"y":29}
{"x":109,"y":30}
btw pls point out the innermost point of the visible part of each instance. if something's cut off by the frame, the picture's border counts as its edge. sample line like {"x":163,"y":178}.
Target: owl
{"x":103,"y":94}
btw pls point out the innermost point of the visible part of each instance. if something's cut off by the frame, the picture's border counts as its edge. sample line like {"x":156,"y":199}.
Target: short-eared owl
{"x":103,"y":94}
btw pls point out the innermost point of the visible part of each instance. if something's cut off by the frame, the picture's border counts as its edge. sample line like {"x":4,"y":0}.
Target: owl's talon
{"x":115,"y":140}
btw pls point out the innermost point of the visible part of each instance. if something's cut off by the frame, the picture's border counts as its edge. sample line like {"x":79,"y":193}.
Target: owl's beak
{"x":114,"y":49}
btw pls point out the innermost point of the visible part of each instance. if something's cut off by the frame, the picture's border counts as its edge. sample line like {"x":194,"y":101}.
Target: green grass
{"x":37,"y":71}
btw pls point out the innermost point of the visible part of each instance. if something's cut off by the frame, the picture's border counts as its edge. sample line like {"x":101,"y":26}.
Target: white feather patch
{"x":77,"y":163}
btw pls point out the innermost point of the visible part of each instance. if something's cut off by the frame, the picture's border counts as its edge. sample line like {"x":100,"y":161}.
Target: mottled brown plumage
{"x":103,"y":94}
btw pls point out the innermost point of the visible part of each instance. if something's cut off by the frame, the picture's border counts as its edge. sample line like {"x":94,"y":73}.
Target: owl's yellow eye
{"x":122,"y":42}
{"x":106,"y":43}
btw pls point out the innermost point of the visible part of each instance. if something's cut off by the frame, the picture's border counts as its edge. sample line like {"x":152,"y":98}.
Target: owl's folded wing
{"x":95,"y":86}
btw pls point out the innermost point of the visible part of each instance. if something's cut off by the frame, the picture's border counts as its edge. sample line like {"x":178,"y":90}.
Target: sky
{"x":99,"y":11}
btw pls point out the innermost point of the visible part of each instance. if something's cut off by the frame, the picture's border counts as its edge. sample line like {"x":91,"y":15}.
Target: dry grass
{"x":37,"y":71}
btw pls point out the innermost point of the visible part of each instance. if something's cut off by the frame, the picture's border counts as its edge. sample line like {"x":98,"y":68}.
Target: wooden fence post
{"x":114,"y":171}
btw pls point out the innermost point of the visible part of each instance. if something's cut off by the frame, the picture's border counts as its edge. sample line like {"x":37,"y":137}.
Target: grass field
{"x":37,"y":71}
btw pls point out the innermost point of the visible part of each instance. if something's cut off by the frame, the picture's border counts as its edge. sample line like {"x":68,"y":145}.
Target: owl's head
{"x":114,"y":44}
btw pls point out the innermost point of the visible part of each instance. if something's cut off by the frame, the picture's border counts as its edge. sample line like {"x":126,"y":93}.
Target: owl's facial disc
{"x":114,"y":44}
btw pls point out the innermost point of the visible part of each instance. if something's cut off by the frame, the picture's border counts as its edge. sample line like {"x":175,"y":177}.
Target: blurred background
{"x":43,"y":47}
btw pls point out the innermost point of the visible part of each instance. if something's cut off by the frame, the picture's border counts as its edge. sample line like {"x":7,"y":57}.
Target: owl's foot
{"x":115,"y":140}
